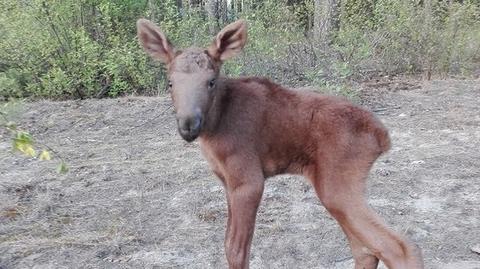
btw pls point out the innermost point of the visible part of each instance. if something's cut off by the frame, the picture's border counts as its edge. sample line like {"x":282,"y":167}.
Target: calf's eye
{"x":211,"y":83}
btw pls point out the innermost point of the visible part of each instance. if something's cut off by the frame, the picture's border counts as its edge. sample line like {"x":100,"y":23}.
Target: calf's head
{"x":192,"y":73}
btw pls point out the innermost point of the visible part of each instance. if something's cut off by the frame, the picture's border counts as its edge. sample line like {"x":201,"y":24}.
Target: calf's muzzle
{"x":189,"y":127}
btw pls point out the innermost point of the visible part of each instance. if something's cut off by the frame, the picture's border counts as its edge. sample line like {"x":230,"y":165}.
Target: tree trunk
{"x":212,"y":9}
{"x":223,"y":11}
{"x":193,"y":3}
{"x":151,"y":8}
{"x":326,"y":21}
{"x":179,"y":5}
{"x":427,"y":40}
{"x":238,"y":6}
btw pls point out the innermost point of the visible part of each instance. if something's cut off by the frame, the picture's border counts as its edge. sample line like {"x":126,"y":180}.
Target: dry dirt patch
{"x":139,"y":197}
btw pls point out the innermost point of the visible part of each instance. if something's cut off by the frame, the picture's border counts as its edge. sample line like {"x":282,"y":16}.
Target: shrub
{"x":72,"y":49}
{"x":85,"y":48}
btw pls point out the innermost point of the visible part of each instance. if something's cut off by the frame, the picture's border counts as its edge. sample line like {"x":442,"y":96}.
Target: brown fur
{"x":252,"y":129}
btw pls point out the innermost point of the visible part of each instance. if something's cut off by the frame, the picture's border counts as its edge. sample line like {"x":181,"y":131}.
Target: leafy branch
{"x":23,"y":142}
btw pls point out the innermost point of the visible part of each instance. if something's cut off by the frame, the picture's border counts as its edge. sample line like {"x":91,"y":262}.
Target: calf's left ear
{"x":229,"y":41}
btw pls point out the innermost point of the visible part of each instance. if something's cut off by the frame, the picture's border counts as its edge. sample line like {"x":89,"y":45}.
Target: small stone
{"x":476,"y":248}
{"x":383,"y":172}
{"x":414,"y":195}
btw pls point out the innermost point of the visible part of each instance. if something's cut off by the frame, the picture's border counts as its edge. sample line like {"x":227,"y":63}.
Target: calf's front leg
{"x":243,"y":202}
{"x":244,"y":193}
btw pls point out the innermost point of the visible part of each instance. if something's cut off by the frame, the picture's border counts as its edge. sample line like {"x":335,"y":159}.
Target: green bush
{"x":405,"y":37}
{"x":86,"y":48}
{"x":72,"y":49}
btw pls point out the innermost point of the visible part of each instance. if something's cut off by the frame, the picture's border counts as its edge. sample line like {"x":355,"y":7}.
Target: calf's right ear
{"x":154,"y":42}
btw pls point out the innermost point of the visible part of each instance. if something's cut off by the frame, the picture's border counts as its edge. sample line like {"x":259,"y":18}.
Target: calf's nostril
{"x":190,"y":124}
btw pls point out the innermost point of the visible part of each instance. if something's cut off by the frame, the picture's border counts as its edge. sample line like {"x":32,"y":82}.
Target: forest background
{"x":84,"y":48}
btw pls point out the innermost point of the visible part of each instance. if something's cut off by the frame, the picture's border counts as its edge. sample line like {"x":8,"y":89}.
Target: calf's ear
{"x":229,"y":41}
{"x":154,"y":42}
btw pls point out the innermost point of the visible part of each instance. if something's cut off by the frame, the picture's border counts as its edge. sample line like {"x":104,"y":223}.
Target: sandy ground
{"x":137,"y":196}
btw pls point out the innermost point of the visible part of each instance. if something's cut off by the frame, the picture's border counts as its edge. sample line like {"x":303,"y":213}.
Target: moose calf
{"x":250,"y":129}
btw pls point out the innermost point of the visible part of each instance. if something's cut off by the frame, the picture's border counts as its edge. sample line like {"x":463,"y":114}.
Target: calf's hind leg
{"x":341,"y":190}
{"x":363,"y":258}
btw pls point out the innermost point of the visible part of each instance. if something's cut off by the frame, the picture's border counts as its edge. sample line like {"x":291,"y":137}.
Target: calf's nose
{"x":189,"y":127}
